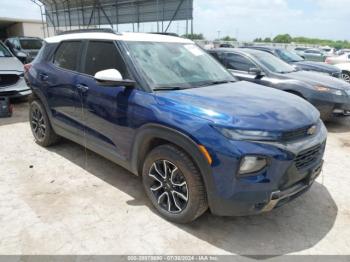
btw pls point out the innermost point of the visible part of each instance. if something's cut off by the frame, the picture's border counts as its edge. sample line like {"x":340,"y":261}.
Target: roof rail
{"x":95,"y":30}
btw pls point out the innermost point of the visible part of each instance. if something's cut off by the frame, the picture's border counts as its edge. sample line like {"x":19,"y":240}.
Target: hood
{"x":243,"y":105}
{"x":317,"y":66}
{"x":314,"y":78}
{"x":10,"y":64}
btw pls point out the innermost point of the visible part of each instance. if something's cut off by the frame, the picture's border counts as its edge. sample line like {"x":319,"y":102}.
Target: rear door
{"x":105,"y":108}
{"x":60,"y":79}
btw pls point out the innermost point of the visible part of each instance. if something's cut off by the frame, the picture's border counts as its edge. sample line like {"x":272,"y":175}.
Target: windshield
{"x":30,"y":44}
{"x":4,"y":52}
{"x":273,"y":63}
{"x":288,"y":56}
{"x":177,"y":65}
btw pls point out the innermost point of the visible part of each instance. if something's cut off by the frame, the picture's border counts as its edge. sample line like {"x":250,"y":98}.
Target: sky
{"x":243,"y":19}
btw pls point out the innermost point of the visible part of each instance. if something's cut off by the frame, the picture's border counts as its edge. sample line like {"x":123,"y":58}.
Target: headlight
{"x":251,"y":164}
{"x":240,"y":134}
{"x":333,"y":91}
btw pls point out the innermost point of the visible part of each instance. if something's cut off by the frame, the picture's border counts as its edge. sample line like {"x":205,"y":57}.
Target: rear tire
{"x":40,"y":125}
{"x":174,"y":185}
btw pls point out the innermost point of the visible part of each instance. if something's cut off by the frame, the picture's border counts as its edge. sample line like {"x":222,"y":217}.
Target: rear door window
{"x":67,"y":55}
{"x":103,"y":55}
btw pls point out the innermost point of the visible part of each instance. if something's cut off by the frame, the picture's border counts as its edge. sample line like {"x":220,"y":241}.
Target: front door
{"x":105,"y":108}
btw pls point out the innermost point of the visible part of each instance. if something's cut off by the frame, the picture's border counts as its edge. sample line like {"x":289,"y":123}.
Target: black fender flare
{"x":37,"y":93}
{"x":142,"y":143}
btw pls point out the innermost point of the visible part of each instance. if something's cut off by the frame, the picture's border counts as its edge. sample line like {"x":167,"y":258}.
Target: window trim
{"x":84,"y":55}
{"x":77,"y":66}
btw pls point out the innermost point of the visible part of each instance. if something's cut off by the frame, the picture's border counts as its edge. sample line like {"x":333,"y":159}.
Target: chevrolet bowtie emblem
{"x":311,"y":130}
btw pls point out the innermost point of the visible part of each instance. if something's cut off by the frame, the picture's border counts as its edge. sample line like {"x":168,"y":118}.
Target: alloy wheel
{"x":346,"y":77}
{"x":38,"y":123}
{"x":168,"y":185}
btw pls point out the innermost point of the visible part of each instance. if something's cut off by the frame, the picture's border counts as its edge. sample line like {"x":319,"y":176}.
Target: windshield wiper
{"x":211,"y":83}
{"x":169,"y":88}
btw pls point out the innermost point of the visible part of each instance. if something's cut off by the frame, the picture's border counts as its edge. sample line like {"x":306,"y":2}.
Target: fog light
{"x":251,"y":164}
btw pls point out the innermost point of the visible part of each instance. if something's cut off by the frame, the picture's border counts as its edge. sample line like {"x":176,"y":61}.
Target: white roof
{"x":139,"y":37}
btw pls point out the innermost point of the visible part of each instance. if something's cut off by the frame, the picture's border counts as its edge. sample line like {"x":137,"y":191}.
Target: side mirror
{"x":21,"y":55}
{"x":112,"y":77}
{"x":255,"y":71}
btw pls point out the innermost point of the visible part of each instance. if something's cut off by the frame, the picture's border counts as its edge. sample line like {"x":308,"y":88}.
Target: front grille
{"x":8,"y":80}
{"x":307,"y":157}
{"x":295,"y":134}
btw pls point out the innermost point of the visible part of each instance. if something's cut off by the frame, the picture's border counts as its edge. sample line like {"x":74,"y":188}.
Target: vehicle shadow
{"x":295,"y":227}
{"x":20,"y":113}
{"x":338,"y":125}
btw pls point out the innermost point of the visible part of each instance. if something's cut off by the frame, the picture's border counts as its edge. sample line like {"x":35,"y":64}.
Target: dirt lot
{"x":64,"y":200}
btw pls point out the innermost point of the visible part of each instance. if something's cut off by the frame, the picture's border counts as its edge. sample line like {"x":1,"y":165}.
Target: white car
{"x":12,"y":83}
{"x":345,"y":68}
{"x":333,"y":60}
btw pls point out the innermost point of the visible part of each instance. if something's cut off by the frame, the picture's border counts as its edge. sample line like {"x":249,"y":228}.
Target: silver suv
{"x":12,"y":83}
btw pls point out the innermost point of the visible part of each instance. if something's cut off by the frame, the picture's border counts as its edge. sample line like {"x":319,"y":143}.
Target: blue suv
{"x":165,"y":110}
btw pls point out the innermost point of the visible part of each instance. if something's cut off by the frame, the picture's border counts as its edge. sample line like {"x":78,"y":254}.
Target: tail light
{"x":27,"y":67}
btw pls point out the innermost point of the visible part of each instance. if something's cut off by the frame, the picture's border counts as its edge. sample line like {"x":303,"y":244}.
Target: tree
{"x":194,"y":36}
{"x":286,"y":38}
{"x":258,"y":40}
{"x":267,"y":40}
{"x":228,"y":38}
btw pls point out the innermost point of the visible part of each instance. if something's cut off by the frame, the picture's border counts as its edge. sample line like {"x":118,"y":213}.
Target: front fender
{"x":142,"y":145}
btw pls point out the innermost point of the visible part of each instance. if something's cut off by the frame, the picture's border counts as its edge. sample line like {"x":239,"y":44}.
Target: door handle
{"x":82,"y":88}
{"x":43,"y":77}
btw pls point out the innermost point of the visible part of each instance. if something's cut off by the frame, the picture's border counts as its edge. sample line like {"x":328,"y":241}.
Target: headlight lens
{"x":240,"y":134}
{"x":329,"y":90}
{"x":251,"y":164}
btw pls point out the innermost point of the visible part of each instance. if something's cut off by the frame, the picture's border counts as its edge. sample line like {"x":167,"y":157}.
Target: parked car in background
{"x":12,"y":83}
{"x":345,"y":68}
{"x":328,"y":94}
{"x":299,"y":62}
{"x":328,"y":50}
{"x":333,"y":60}
{"x":166,"y":110}
{"x":300,"y":50}
{"x":342,"y":51}
{"x":24,"y":48}
{"x":316,"y":55}
{"x":225,"y":45}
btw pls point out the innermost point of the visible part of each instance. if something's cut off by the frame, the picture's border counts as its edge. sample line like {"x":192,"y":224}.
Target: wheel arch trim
{"x":148,"y":132}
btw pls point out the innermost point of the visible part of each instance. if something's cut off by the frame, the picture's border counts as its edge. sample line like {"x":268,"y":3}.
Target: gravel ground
{"x":66,"y":200}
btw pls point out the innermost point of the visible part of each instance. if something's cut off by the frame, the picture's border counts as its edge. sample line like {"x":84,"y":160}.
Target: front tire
{"x":40,"y":125}
{"x":346,"y":76}
{"x":174,"y":184}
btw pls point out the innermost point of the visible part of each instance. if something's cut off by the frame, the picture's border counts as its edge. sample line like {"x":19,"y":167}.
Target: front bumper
{"x":18,"y":90}
{"x":282,"y":181}
{"x":279,"y":198}
{"x":338,"y":105}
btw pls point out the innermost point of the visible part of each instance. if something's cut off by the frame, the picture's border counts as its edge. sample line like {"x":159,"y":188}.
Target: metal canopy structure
{"x":68,"y":14}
